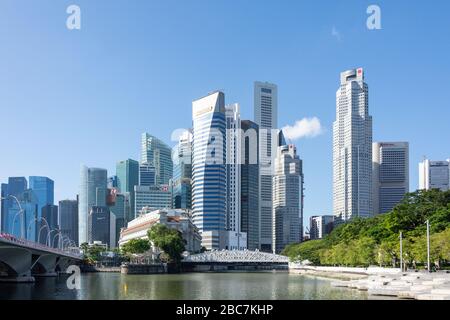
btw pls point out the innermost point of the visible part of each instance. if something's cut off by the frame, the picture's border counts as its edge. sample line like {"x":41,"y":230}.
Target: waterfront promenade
{"x":387,"y":282}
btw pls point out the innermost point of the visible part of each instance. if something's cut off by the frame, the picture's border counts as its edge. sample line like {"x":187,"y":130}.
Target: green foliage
{"x":135,"y":246}
{"x":92,"y":253}
{"x":168,"y":240}
{"x":363,"y":242}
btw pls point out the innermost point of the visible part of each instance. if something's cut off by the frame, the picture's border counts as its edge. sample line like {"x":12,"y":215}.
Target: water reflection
{"x":198,"y":286}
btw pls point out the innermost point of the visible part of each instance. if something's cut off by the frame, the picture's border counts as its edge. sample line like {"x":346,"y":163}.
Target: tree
{"x":168,"y":240}
{"x":136,"y":246}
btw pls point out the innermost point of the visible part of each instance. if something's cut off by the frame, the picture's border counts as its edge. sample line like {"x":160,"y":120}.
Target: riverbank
{"x":386,"y":282}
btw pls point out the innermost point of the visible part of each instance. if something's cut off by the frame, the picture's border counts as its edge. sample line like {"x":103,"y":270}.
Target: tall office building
{"x":93,"y":190}
{"x":266,"y":116}
{"x":208,"y":168}
{"x":50,"y":214}
{"x":320,"y":226}
{"x":250,"y":184}
{"x":434,"y":175}
{"x":158,"y":154}
{"x":68,"y":219}
{"x":120,"y":208}
{"x":287,"y":193}
{"x":99,"y":226}
{"x":156,"y":197}
{"x":43,"y":189}
{"x":10,"y":209}
{"x":236,"y":239}
{"x":147,"y":175}
{"x":127,"y":172}
{"x":29,"y":219}
{"x":182,"y":172}
{"x":390,"y":174}
{"x":352,"y":149}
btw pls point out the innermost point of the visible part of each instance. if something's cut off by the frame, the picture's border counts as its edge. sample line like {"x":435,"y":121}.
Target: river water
{"x":198,"y":286}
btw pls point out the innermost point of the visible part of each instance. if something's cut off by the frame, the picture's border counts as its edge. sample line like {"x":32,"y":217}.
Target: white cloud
{"x":335,"y":33}
{"x":304,"y":128}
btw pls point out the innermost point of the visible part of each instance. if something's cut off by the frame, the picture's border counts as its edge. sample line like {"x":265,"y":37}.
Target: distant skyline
{"x":84,"y":97}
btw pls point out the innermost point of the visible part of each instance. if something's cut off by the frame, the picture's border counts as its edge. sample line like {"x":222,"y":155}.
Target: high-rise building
{"x":119,"y":207}
{"x":182,"y":172}
{"x":10,"y":208}
{"x":390,"y":174}
{"x":208,"y":168}
{"x":156,"y":197}
{"x":287,"y":193}
{"x":68,"y":219}
{"x":112,"y":182}
{"x":50,"y":214}
{"x":93,"y":190}
{"x":158,"y":154}
{"x":352,"y":149}
{"x":99,"y":226}
{"x":250,"y":184}
{"x":43,"y":189}
{"x":147,"y":175}
{"x":434,"y":175}
{"x":266,"y":116}
{"x":28,"y":220}
{"x":127,"y":172}
{"x":320,"y":226}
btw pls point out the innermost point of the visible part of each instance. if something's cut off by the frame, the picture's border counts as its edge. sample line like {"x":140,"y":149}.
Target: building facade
{"x":287,"y":193}
{"x":434,"y":175}
{"x":178,"y":219}
{"x":208,"y":167}
{"x":320,"y":226}
{"x":390,"y":174}
{"x":68,"y":219}
{"x":100,"y":226}
{"x":93,"y":191}
{"x":182,"y":172}
{"x":127,"y":172}
{"x":236,"y":239}
{"x":250,"y":184}
{"x":147,"y":175}
{"x":50,"y":214}
{"x":266,"y":117}
{"x":156,"y":197}
{"x":156,"y":153}
{"x":352,"y":149}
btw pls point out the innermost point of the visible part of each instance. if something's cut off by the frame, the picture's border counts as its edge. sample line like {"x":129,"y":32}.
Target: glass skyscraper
{"x":208,"y":168}
{"x":93,"y":189}
{"x":10,"y":209}
{"x":68,"y":219}
{"x":43,"y":189}
{"x":156,"y":153}
{"x":127,"y":173}
{"x":147,"y":175}
{"x":182,"y":172}
{"x":250,"y":184}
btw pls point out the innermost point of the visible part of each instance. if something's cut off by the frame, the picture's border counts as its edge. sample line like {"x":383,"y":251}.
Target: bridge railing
{"x":237,"y":256}
{"x":23,"y":242}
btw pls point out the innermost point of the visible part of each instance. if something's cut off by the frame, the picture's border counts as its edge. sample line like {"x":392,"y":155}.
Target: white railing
{"x":30,"y":244}
{"x":236,"y":256}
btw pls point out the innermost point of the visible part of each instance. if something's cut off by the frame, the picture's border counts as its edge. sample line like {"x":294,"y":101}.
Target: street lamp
{"x":428,"y":245}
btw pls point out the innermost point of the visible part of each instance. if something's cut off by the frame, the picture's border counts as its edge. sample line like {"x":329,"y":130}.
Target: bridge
{"x":22,"y":260}
{"x":221,"y":260}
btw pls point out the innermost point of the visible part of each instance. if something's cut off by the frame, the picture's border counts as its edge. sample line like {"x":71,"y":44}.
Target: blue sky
{"x":84,"y":97}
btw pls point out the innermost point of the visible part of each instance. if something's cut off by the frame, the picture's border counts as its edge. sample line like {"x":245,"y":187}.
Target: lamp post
{"x":401,"y":251}
{"x":428,"y":245}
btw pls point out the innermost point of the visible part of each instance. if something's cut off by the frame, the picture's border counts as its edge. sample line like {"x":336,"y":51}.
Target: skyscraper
{"x":43,"y":189}
{"x":266,"y":116}
{"x":287,"y":193}
{"x":208,"y":168}
{"x":127,"y":172}
{"x":250,"y":184}
{"x":147,"y":175}
{"x":120,"y":210}
{"x":390,"y":174}
{"x":236,"y":239}
{"x":158,"y":154}
{"x":99,"y":225}
{"x":93,"y":189}
{"x":68,"y":219}
{"x":352,"y":149}
{"x":434,"y":175}
{"x":156,"y":197}
{"x":320,"y":226}
{"x":182,"y":172}
{"x":10,"y":209}
{"x":50,"y":214}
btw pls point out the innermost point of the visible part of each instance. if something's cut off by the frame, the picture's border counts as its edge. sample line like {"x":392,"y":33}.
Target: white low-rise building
{"x":178,"y":219}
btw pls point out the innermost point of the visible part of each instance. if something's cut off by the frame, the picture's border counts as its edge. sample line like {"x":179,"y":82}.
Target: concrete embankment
{"x":385,"y":281}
